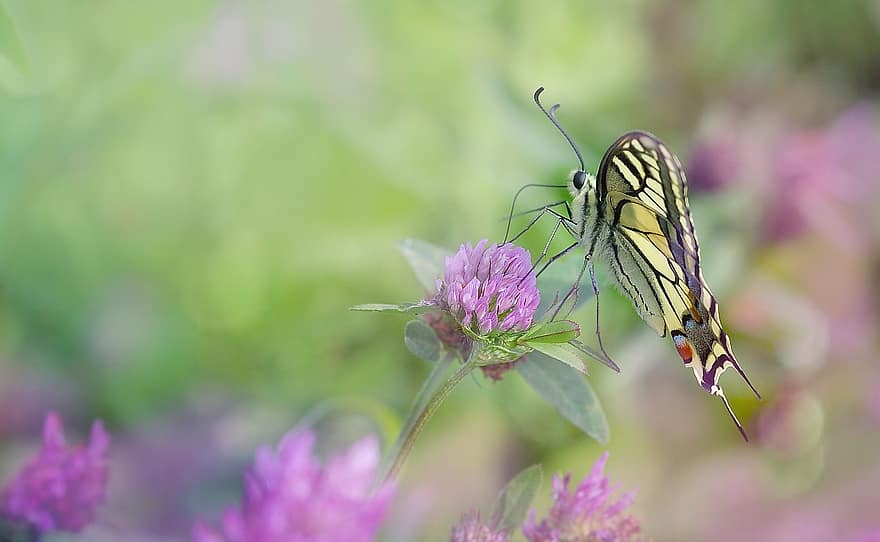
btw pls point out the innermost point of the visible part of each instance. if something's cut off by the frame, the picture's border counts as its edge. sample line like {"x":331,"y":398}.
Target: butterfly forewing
{"x":642,"y":193}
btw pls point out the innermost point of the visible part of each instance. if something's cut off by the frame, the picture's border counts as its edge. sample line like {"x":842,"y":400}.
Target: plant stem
{"x":407,"y":438}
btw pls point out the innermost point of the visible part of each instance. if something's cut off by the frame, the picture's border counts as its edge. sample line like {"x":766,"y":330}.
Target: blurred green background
{"x":192,"y":194}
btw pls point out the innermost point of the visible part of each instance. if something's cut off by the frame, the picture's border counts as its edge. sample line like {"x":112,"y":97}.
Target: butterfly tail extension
{"x":720,"y":393}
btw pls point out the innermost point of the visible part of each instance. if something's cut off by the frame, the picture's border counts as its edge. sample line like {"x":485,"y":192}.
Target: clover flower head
{"x":289,"y":496}
{"x":490,"y":288}
{"x":472,"y":529}
{"x":587,"y":514}
{"x":60,"y":488}
{"x":713,"y":164}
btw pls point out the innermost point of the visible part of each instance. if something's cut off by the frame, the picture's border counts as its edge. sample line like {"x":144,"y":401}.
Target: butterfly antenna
{"x":739,"y":426}
{"x":552,"y":116}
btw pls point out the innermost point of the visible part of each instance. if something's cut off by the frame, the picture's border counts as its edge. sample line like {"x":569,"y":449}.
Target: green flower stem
{"x":411,"y":431}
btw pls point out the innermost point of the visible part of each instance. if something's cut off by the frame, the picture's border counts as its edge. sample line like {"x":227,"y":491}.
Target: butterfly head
{"x":578,"y":180}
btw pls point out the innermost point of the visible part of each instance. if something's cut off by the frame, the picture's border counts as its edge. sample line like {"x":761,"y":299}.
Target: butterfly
{"x":634,"y":215}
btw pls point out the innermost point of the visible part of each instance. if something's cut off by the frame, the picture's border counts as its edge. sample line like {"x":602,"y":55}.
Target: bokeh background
{"x":192,"y":193}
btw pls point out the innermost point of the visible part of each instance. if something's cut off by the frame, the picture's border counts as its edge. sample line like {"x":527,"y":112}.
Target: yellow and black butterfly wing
{"x":655,"y":255}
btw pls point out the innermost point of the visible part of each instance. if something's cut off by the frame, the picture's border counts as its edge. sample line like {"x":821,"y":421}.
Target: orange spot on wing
{"x":684,"y":348}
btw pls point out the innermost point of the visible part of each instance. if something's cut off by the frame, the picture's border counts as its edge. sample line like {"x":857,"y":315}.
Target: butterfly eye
{"x":578,"y":178}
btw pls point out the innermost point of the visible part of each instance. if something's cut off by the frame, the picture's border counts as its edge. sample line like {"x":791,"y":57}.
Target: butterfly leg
{"x":513,"y":206}
{"x":588,"y":264}
{"x":567,"y":222}
{"x":596,"y":294}
{"x":573,"y":290}
{"x":555,"y":257}
{"x":538,"y":209}
{"x":546,"y":247}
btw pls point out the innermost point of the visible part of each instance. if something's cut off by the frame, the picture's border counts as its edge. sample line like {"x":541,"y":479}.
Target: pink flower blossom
{"x":822,"y":176}
{"x":290,"y":497}
{"x":490,"y":288}
{"x":586,"y":515}
{"x":60,"y":488}
{"x":471,"y":529}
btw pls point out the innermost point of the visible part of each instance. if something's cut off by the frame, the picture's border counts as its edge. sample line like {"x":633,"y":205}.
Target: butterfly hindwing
{"x":642,"y":193}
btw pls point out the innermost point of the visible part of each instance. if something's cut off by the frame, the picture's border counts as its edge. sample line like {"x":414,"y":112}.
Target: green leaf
{"x":558,"y":331}
{"x":567,"y":391}
{"x":566,"y":353}
{"x":10,"y":44}
{"x":426,"y":260}
{"x":514,"y":500}
{"x":421,"y":340}
{"x":410,"y":308}
{"x":598,"y":356}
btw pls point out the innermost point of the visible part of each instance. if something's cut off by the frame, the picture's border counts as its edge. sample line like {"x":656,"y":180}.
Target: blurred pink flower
{"x":872,"y":398}
{"x":791,"y":423}
{"x":713,"y":165}
{"x":871,"y":535}
{"x":586,"y":515}
{"x":290,"y":497}
{"x":61,"y":487}
{"x":471,"y":529}
{"x":822,"y":176}
{"x":489,"y":288}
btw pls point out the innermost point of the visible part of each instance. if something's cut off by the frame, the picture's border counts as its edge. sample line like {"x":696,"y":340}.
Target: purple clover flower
{"x":713,"y":165}
{"x":822,"y":177}
{"x":870,"y":535}
{"x":586,"y":515}
{"x":490,"y":288}
{"x":289,"y":496}
{"x":60,"y":488}
{"x":471,"y":529}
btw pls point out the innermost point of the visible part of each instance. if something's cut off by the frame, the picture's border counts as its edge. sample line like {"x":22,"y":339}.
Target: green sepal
{"x":565,"y":352}
{"x":557,"y":331}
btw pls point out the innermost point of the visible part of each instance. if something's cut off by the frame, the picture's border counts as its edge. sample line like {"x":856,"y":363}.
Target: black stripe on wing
{"x":639,"y":155}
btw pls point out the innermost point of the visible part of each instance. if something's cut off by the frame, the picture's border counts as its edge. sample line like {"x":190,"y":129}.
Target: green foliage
{"x":568,"y":391}
{"x":11,"y":48}
{"x":422,"y":341}
{"x":514,"y":500}
{"x":426,"y":260}
{"x":565,"y":353}
{"x":181,"y":226}
{"x":411,"y":308}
